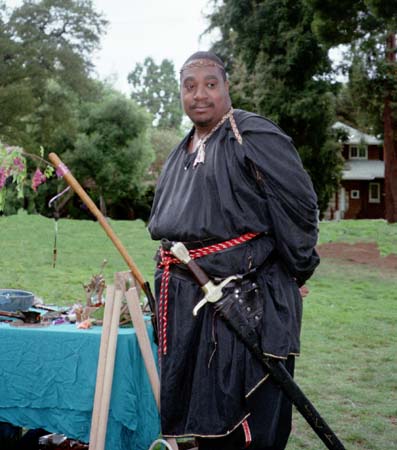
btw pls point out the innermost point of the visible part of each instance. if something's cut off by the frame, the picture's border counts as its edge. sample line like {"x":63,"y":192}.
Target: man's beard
{"x":202,"y":123}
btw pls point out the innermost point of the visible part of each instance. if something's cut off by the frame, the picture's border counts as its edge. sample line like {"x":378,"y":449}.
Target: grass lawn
{"x":26,"y":249}
{"x":348,"y":365}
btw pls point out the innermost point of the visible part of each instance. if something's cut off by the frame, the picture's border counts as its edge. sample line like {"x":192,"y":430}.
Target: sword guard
{"x":214,"y":293}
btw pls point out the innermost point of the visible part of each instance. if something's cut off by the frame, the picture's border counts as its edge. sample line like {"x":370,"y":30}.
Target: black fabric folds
{"x":207,"y":375}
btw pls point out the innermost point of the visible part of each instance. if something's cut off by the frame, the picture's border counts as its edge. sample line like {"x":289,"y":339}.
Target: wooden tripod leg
{"x":144,"y":342}
{"x":103,"y":350}
{"x":109,"y":370}
{"x":145,"y":347}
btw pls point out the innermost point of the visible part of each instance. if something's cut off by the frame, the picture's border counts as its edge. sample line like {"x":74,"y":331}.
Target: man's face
{"x":205,"y":95}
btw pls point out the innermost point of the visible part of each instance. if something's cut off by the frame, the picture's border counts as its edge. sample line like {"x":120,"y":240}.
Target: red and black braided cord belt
{"x":167,"y":260}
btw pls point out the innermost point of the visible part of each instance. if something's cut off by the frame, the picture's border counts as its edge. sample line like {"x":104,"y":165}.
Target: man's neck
{"x":201,"y":130}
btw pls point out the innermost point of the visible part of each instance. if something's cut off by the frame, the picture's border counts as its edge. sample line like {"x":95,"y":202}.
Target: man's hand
{"x":304,"y":291}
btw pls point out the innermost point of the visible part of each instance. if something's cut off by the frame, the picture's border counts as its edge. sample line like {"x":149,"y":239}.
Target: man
{"x":234,"y":180}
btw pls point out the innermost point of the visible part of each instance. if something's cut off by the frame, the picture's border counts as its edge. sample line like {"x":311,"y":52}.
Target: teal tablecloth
{"x":47,"y":380}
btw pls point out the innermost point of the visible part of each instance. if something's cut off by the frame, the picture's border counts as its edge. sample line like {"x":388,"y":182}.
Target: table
{"x":48,"y":379}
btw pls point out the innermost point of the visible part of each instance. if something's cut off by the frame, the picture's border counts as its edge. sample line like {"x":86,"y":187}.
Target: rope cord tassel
{"x":200,"y":157}
{"x":167,"y":260}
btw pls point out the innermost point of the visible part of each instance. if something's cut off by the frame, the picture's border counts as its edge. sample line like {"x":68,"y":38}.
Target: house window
{"x":374,"y":192}
{"x":358,"y":152}
{"x":355,"y":193}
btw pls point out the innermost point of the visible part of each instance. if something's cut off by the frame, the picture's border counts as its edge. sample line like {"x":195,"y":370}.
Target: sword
{"x":231,"y":314}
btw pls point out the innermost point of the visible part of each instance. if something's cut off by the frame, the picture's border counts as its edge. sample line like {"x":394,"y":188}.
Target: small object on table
{"x":15,"y":300}
{"x":52,"y":439}
{"x":72,"y":317}
{"x":85,"y":324}
{"x":94,"y":290}
{"x":25,"y":316}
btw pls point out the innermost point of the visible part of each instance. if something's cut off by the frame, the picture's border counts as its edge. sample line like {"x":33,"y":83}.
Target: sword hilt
{"x":179,"y":250}
{"x":213,"y":292}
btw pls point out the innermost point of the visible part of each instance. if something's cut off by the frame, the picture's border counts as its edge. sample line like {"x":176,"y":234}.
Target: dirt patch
{"x":366,"y":253}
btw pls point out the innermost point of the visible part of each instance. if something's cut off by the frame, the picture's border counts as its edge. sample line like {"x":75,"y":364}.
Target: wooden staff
{"x":63,"y":171}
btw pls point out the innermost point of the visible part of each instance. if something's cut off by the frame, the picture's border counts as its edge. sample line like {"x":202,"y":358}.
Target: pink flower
{"x":3,"y":177}
{"x":19,"y":164}
{"x":38,"y":178}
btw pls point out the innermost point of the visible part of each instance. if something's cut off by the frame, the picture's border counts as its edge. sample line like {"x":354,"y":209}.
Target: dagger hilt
{"x":213,"y":292}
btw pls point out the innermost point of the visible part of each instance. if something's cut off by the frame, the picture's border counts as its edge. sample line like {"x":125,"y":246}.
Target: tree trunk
{"x":102,"y":205}
{"x":390,"y":133}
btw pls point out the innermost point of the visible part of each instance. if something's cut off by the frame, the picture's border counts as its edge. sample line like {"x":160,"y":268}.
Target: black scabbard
{"x":230,"y":312}
{"x":152,"y":306}
{"x":233,"y":311}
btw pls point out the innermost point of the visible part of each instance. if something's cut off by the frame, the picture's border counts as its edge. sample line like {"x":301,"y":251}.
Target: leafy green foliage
{"x":16,"y":184}
{"x":156,"y":88}
{"x":346,"y":21}
{"x":163,"y":140}
{"x":278,"y":69}
{"x":13,"y":167}
{"x":112,"y":151}
{"x":45,"y":50}
{"x":363,"y":27}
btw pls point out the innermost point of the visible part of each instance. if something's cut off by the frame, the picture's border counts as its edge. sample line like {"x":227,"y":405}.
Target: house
{"x":362,"y":191}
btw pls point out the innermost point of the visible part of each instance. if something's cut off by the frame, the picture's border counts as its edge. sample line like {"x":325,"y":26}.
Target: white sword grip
{"x":181,"y":252}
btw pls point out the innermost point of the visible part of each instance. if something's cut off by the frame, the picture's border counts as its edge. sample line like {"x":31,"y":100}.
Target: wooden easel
{"x":107,"y":352}
{"x":104,"y":378}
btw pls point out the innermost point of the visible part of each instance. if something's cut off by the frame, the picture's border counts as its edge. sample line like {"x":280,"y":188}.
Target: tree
{"x":16,"y":99}
{"x":369,"y":28}
{"x":46,"y":46}
{"x":353,"y":104}
{"x":278,"y":68}
{"x":112,"y":151}
{"x":155,"y":87}
{"x":162,"y":142}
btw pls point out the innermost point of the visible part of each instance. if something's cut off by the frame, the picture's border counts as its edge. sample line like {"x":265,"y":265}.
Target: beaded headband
{"x":201,"y":63}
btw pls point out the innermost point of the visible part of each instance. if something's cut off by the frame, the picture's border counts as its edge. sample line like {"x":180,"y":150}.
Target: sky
{"x":161,"y":29}
{"x":139,"y":28}
{"x":158,"y":28}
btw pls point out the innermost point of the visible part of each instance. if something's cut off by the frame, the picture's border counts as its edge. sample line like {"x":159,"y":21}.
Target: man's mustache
{"x":201,"y":105}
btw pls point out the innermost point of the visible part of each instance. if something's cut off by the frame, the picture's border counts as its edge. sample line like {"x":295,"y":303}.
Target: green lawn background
{"x":348,"y":366}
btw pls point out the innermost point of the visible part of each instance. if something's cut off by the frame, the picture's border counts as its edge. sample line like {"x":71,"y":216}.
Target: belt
{"x":167,"y":260}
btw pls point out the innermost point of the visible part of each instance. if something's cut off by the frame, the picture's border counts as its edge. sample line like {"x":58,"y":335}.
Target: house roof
{"x":363,"y":169}
{"x":356,"y":136}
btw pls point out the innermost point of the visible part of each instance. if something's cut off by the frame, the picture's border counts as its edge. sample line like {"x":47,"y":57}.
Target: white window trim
{"x":355,"y":194}
{"x":358,"y":147}
{"x":373,"y":199}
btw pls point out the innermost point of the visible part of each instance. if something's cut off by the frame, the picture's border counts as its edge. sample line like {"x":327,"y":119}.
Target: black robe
{"x":259,"y":186}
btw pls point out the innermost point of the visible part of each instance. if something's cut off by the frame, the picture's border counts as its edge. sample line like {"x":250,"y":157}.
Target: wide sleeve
{"x":292,"y":203}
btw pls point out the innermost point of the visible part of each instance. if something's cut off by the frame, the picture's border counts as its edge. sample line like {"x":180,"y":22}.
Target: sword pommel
{"x":181,"y":252}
